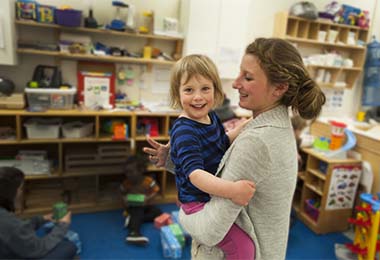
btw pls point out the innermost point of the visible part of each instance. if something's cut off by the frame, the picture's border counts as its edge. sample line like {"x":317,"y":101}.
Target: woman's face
{"x":255,"y":91}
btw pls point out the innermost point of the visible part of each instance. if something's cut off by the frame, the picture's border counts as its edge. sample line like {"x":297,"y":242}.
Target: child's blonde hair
{"x":190,"y":66}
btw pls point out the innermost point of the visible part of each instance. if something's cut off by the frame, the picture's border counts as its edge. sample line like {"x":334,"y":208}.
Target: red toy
{"x":163,"y":220}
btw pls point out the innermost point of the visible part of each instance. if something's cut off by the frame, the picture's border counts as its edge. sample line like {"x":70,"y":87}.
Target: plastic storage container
{"x":68,"y":17}
{"x":50,"y":98}
{"x":41,"y":128}
{"x":311,"y":210}
{"x":77,"y":129}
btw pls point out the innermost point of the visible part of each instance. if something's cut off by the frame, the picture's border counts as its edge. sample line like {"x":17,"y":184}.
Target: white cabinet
{"x":217,"y":28}
{"x":7,"y":33}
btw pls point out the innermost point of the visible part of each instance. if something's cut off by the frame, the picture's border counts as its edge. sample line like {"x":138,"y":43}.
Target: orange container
{"x":337,"y":135}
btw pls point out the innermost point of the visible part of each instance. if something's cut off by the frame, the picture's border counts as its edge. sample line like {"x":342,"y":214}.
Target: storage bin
{"x":26,"y":10}
{"x":68,"y":17}
{"x":50,"y":98}
{"x":323,"y":167}
{"x":311,"y":210}
{"x":77,"y":129}
{"x":41,"y":128}
{"x":45,"y":13}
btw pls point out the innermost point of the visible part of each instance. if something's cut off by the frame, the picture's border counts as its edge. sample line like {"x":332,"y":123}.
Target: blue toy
{"x":118,"y":24}
{"x":70,"y":235}
{"x":175,"y":218}
{"x":170,"y":245}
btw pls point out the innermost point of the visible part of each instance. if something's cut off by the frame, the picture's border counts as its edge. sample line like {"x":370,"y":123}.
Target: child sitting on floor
{"x":137,"y":190}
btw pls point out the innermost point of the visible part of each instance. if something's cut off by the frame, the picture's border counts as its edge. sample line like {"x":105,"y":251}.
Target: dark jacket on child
{"x":18,"y":237}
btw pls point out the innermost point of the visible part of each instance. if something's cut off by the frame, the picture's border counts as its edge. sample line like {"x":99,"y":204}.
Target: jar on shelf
{"x":147,"y":20}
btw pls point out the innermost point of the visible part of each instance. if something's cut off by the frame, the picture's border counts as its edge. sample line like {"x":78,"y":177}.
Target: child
{"x":198,"y":142}
{"x":18,"y":237}
{"x":137,"y":190}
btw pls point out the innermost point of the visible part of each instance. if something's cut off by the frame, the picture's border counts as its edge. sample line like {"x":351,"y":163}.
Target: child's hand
{"x":157,"y":152}
{"x":48,"y":217}
{"x":66,"y":219}
{"x":243,"y":192}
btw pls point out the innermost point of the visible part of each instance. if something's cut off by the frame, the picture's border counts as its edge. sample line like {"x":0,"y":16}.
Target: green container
{"x":59,"y":210}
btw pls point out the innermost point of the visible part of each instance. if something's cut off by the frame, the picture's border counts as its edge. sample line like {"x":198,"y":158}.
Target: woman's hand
{"x":158,"y":153}
{"x":243,"y":192}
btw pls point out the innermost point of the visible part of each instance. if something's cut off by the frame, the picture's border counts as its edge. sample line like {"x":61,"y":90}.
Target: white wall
{"x":7,"y":33}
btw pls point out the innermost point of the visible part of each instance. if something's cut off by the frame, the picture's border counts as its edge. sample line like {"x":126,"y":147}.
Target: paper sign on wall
{"x":343,"y":185}
{"x":96,"y":91}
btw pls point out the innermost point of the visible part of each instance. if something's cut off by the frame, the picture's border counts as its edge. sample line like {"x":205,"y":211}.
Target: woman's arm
{"x":26,"y":244}
{"x":240,"y":192}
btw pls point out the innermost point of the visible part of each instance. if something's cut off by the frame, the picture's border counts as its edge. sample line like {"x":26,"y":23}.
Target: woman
{"x":272,"y":78}
{"x":18,"y":237}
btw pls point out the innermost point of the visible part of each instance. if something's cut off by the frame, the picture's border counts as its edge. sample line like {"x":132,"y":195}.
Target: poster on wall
{"x":96,"y":84}
{"x":343,"y":185}
{"x":96,"y":91}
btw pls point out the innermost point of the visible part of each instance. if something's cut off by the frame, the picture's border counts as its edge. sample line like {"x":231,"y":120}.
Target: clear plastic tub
{"x":77,"y":129}
{"x":50,"y":98}
{"x":41,"y":128}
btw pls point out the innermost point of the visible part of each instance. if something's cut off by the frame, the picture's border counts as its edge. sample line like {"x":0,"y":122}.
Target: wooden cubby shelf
{"x":326,"y":191}
{"x":150,"y":38}
{"x":318,"y":36}
{"x":88,"y":185}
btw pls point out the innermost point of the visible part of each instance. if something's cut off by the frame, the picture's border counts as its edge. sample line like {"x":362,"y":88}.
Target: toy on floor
{"x":70,"y":235}
{"x":173,"y":236}
{"x":170,"y":244}
{"x":163,"y":220}
{"x":366,"y":241}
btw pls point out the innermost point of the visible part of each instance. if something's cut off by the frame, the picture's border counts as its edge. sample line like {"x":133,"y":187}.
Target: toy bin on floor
{"x":50,"y":98}
{"x":42,"y":128}
{"x":77,"y":129}
{"x":68,"y":17}
{"x":311,"y":210}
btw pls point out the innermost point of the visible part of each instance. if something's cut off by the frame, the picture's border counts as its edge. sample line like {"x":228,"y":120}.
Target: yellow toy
{"x":366,"y":223}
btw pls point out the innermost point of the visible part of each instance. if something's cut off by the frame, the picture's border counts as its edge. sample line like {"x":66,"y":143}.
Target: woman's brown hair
{"x":282,"y":64}
{"x":10,"y":180}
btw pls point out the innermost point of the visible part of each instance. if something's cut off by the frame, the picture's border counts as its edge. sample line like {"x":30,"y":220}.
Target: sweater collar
{"x":276,"y":117}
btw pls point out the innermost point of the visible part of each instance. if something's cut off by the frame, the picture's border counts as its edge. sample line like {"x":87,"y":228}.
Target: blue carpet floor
{"x":102,"y":235}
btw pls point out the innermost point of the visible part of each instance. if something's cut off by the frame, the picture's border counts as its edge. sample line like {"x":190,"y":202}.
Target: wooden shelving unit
{"x":304,"y":34}
{"x":326,"y":192}
{"x":95,"y":188}
{"x":150,"y":38}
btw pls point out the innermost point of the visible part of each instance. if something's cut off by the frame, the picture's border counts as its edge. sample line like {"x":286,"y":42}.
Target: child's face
{"x":197,"y":98}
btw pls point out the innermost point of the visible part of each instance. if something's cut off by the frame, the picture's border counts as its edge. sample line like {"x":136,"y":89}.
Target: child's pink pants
{"x":236,"y":244}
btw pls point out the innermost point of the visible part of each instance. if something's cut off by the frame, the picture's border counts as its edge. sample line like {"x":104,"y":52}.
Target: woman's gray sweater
{"x":265,"y":152}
